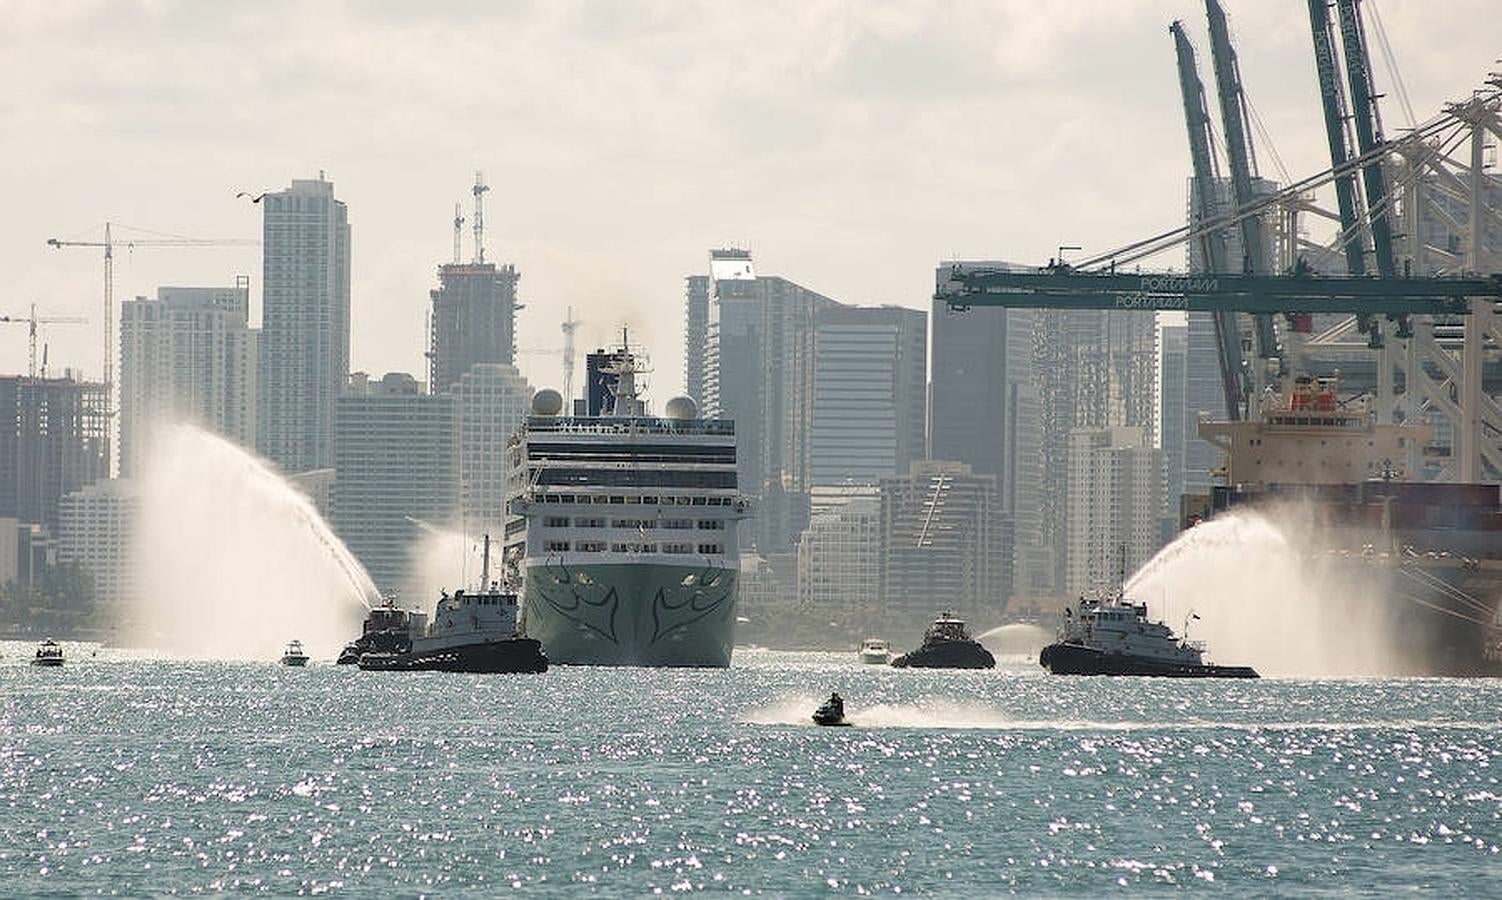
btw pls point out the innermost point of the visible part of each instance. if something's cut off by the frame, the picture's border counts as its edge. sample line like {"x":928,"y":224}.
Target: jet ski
{"x":831,"y":712}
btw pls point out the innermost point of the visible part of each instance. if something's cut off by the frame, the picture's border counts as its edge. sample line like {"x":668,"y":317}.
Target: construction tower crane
{"x":108,"y":245}
{"x":458,"y":230}
{"x":479,"y":191}
{"x":570,"y":325}
{"x":565,"y":353}
{"x":33,"y":321}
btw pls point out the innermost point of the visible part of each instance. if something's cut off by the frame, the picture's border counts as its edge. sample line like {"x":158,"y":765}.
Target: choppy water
{"x":148,"y":776}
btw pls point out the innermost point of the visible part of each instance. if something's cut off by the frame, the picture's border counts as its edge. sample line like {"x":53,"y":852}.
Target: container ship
{"x":624,"y":526}
{"x":1428,"y":554}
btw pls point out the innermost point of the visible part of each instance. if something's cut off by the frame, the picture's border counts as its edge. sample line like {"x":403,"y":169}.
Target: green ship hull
{"x":631,"y":614}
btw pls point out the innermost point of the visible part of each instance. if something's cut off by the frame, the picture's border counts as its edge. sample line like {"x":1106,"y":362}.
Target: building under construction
{"x":473,"y":318}
{"x":473,"y":321}
{"x":55,"y":440}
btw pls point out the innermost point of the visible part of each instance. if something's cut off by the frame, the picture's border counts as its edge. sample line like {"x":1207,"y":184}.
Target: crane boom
{"x":1063,"y":287}
{"x":1333,"y":102}
{"x":1212,"y":242}
{"x":33,"y":321}
{"x":1368,"y":133}
{"x":1238,"y":156}
{"x":108,"y":245}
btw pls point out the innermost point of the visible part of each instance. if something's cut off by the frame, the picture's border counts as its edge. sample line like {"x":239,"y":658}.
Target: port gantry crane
{"x":1212,"y":243}
{"x":1242,"y":160}
{"x":33,"y":321}
{"x":1431,"y":182}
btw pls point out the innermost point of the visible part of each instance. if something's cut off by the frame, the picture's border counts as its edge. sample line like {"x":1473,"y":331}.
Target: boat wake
{"x":925,"y":713}
{"x":935,"y":713}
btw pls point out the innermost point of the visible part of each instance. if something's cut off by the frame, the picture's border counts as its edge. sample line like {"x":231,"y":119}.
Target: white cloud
{"x":853,"y":144}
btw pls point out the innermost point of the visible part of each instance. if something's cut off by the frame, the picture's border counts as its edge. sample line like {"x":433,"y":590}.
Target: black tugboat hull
{"x":522,"y":655}
{"x":948,"y":655}
{"x":1074,"y":659}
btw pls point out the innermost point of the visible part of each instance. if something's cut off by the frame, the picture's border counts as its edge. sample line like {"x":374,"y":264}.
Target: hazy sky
{"x":851,"y":145}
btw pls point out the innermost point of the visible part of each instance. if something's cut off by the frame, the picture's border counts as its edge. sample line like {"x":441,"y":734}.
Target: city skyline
{"x":867,"y":101}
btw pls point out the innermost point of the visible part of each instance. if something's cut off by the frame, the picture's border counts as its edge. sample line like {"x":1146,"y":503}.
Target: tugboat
{"x":294,"y":655}
{"x":470,"y":632}
{"x":832,"y":712}
{"x":49,"y":654}
{"x":947,"y":645}
{"x":1115,"y":637}
{"x":385,"y":630}
{"x":874,"y":652}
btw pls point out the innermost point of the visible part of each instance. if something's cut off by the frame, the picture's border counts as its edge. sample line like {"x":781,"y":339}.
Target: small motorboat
{"x":49,"y":654}
{"x":294,"y":655}
{"x":831,"y":712}
{"x":874,"y":652}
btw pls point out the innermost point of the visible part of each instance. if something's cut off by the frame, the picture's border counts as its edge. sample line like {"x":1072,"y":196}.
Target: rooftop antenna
{"x":479,"y":191}
{"x":458,"y":229}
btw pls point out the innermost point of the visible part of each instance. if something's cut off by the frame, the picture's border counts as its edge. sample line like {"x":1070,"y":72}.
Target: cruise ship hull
{"x":631,"y":614}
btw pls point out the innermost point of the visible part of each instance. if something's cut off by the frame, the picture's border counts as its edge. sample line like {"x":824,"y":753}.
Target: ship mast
{"x":485,"y":565}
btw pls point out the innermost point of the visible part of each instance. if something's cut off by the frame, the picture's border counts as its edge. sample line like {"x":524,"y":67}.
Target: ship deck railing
{"x":628,"y":425}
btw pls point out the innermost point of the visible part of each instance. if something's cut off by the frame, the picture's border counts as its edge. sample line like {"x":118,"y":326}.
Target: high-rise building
{"x":731,"y":356}
{"x":869,"y":393}
{"x":54,"y":439}
{"x":473,"y":320}
{"x":491,"y":402}
{"x":304,"y":345}
{"x":1096,"y":369}
{"x":758,"y":364}
{"x":187,"y":356}
{"x":96,"y":527}
{"x":695,"y":335}
{"x":395,"y":469}
{"x":839,"y":554}
{"x":979,"y":356}
{"x":985,"y":410}
{"x":1171,"y":429}
{"x":1115,"y":504}
{"x":942,"y":541}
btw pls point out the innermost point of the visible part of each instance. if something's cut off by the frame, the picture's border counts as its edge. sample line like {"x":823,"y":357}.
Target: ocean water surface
{"x":131,"y":775}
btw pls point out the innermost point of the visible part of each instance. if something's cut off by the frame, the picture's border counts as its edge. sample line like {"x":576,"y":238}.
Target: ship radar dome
{"x":682,"y":408}
{"x":547,"y":402}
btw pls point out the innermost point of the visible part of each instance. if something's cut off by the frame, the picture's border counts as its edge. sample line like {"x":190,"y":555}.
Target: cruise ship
{"x":624,"y":526}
